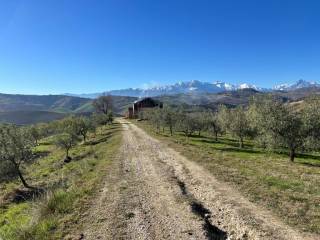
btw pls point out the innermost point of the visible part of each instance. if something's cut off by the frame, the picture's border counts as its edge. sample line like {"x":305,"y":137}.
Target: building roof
{"x":146,"y":98}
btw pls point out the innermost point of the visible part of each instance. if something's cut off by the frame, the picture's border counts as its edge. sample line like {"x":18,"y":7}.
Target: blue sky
{"x":84,"y":46}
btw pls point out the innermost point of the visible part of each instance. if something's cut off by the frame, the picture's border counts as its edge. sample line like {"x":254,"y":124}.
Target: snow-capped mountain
{"x":246,"y":86}
{"x":297,"y":85}
{"x":197,"y":87}
{"x":193,"y":86}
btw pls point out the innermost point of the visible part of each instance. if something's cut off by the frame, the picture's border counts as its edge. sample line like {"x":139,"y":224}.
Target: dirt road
{"x":155,"y":193}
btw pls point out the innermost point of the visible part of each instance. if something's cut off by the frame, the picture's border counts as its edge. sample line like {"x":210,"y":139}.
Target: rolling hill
{"x":55,"y":103}
{"x":29,"y":117}
{"x":236,"y":97}
{"x":212,"y":100}
{"x":28,"y":109}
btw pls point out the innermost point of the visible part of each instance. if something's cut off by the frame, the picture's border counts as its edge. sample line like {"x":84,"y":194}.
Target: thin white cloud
{"x":150,"y":84}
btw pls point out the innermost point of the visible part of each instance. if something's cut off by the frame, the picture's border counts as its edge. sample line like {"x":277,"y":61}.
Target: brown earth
{"x":155,"y":193}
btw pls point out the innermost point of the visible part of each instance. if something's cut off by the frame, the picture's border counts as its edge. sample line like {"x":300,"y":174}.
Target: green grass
{"x":290,"y":190}
{"x":12,"y":219}
{"x":88,"y":107}
{"x":59,"y":202}
{"x":69,"y":187}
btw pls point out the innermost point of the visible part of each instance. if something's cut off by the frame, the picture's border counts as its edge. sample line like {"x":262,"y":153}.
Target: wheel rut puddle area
{"x":212,"y":232}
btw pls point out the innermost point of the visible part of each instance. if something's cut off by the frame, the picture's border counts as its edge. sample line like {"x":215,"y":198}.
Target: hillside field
{"x":68,"y":188}
{"x":31,"y":109}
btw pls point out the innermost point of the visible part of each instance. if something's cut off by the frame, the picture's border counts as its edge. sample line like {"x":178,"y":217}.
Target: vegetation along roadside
{"x":276,"y":168}
{"x":69,"y":159}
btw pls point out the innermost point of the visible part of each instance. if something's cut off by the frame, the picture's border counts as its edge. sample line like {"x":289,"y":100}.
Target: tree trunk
{"x":199,"y":133}
{"x":67,"y":152}
{"x":216,"y":136}
{"x":25,"y":184}
{"x":186,"y":134}
{"x":190,"y":134}
{"x":84,"y":137}
{"x":171,"y":131}
{"x":241,"y":142}
{"x":292,"y":154}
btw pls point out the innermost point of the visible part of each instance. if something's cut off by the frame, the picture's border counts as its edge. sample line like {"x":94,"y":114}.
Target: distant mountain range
{"x":196,"y":87}
{"x":297,"y":85}
{"x":26,"y":109}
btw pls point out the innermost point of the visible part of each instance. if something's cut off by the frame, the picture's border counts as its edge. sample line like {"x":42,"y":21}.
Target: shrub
{"x":57,"y":202}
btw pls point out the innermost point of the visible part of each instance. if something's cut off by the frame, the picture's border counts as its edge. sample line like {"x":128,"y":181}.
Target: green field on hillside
{"x":32,"y":109}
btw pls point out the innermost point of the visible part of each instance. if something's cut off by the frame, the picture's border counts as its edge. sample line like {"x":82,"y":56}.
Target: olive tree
{"x":70,"y":125}
{"x":280,"y":124}
{"x":186,"y":123}
{"x":199,"y":121}
{"x":234,"y":121}
{"x":311,"y":123}
{"x":82,"y":126}
{"x":212,"y":123}
{"x":44,"y":129}
{"x":169,"y":118}
{"x":16,"y":147}
{"x":35,"y":134}
{"x":110,"y":117}
{"x":155,"y":117}
{"x":70,"y":130}
{"x":66,"y":141}
{"x":238,"y":124}
{"x":7,"y":171}
{"x":223,"y":119}
{"x":99,"y":119}
{"x":53,"y":127}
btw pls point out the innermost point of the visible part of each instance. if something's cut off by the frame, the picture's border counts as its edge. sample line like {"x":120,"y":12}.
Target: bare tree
{"x":103,"y":104}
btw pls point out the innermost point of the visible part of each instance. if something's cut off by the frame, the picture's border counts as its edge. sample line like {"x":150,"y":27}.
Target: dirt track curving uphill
{"x":155,"y":193}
